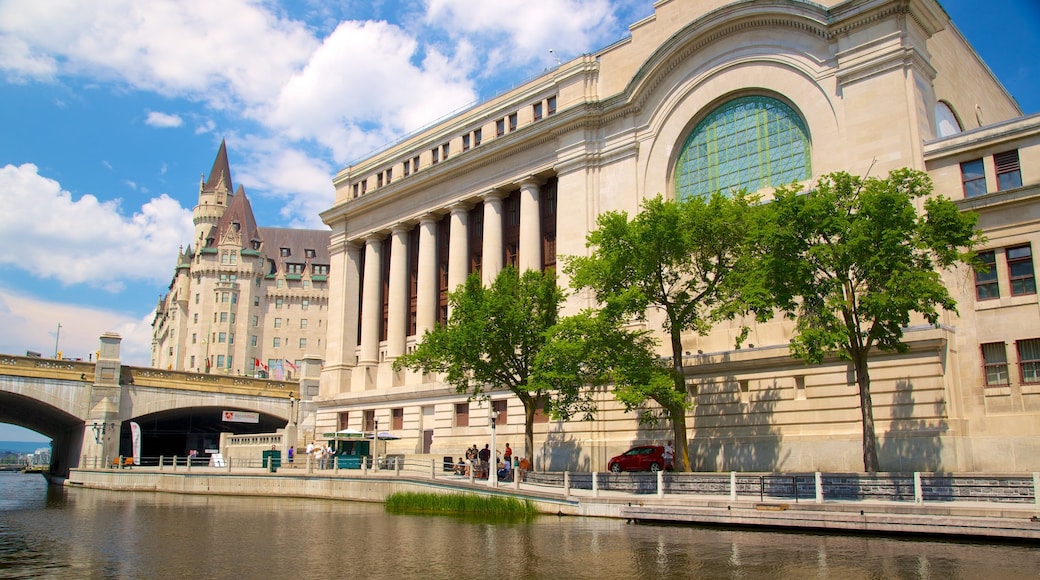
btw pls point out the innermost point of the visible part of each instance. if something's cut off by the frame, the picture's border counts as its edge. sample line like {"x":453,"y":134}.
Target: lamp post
{"x":57,"y":335}
{"x":493,"y":467}
{"x":99,"y":432}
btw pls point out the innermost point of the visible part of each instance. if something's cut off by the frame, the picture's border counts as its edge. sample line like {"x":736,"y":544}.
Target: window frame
{"x":1014,"y":280}
{"x":994,"y":365}
{"x":971,"y":181}
{"x":1033,"y":364}
{"x":987,"y":287}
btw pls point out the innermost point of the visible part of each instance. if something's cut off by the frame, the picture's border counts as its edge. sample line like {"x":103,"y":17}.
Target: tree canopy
{"x":509,"y":336}
{"x":853,"y":259}
{"x":682,"y":258}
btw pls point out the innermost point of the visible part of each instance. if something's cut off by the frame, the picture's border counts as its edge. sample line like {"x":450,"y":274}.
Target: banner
{"x":277,"y":372}
{"x":135,"y":441}
{"x":240,"y":417}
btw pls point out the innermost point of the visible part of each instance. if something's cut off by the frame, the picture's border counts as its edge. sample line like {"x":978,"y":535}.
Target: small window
{"x":1020,"y":270}
{"x":364,"y":187}
{"x":435,"y":155}
{"x":415,"y":164}
{"x":309,"y":253}
{"x":397,"y":419}
{"x":500,"y":127}
{"x":369,"y":421}
{"x":256,"y":321}
{"x":1009,"y":172}
{"x":276,"y":341}
{"x":465,"y":142}
{"x":986,"y":286}
{"x":550,"y":104}
{"x":220,"y":361}
{"x":498,"y":411}
{"x":445,"y":149}
{"x":303,"y":323}
{"x":477,"y":133}
{"x":537,"y":110}
{"x":303,"y":343}
{"x":512,"y":122}
{"x":389,"y":175}
{"x":462,"y":414}
{"x":223,"y":316}
{"x":973,"y":175}
{"x":222,"y":337}
{"x":379,"y":180}
{"x":994,"y":359}
{"x":277,"y":322}
{"x":407,"y":168}
{"x":1029,"y":360}
{"x":304,"y":304}
{"x":278,"y":303}
{"x":252,"y":340}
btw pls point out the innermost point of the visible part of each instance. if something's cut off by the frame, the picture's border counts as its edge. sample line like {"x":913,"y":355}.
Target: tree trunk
{"x":870,"y":458}
{"x":529,"y":410}
{"x":681,"y":462}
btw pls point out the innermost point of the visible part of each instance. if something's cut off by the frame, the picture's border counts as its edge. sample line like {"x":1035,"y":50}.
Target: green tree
{"x":852,"y":259}
{"x":495,"y":337}
{"x":682,"y":258}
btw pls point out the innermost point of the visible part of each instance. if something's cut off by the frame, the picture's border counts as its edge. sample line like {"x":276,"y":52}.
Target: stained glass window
{"x":747,"y":143}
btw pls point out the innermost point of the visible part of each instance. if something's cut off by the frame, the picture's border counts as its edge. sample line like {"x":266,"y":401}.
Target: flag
{"x":135,"y":441}
{"x":259,"y":365}
{"x":289,"y":364}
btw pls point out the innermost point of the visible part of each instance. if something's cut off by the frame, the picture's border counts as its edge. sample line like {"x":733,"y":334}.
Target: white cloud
{"x":302,"y":183}
{"x":32,"y":324}
{"x":50,"y":235}
{"x":517,"y":31}
{"x":359,"y":89}
{"x":163,"y":120}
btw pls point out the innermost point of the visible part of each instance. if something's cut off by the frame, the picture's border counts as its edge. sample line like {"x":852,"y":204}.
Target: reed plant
{"x":491,"y":506}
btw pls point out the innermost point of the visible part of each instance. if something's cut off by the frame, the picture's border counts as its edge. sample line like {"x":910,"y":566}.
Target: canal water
{"x":49,"y":532}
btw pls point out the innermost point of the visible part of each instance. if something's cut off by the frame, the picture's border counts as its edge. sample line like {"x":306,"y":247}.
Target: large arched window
{"x":747,"y":143}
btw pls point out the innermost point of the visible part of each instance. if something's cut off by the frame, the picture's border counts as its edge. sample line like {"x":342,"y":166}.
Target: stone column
{"x":397,"y":316}
{"x":492,"y":260}
{"x":458,"y":246}
{"x":530,"y":231}
{"x":371,"y":309}
{"x":426,"y":277}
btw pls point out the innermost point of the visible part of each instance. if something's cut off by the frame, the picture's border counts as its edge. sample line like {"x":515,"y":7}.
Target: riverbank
{"x":1004,"y":521}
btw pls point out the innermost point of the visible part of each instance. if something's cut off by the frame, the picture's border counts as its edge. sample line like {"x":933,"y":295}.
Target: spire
{"x":221,"y":170}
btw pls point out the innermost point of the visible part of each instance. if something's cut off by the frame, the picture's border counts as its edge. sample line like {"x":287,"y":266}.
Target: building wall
{"x":865,"y":79}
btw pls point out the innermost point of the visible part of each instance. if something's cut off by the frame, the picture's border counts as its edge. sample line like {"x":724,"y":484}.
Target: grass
{"x":493,"y":507}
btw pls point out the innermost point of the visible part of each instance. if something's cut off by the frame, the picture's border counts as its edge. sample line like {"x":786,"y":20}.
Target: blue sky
{"x":113,"y":109}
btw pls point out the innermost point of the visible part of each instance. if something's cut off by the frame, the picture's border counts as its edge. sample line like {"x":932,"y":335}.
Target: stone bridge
{"x":86,"y":407}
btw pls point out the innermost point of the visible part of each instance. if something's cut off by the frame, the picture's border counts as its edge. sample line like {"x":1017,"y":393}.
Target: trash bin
{"x":272,"y":460}
{"x":448,"y":463}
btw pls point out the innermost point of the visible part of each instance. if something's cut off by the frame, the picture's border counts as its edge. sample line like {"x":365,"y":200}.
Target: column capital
{"x":460,"y":207}
{"x":531,"y":180}
{"x":429,"y":218}
{"x":493,"y":195}
{"x":401,"y":228}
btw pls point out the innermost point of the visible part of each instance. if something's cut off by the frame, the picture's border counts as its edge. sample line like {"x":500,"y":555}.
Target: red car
{"x":642,"y":458}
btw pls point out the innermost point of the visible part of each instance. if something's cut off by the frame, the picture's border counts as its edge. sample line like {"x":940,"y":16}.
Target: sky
{"x":113,"y":109}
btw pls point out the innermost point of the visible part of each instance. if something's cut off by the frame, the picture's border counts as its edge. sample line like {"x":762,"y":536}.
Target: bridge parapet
{"x":160,"y":378}
{"x":48,"y":368}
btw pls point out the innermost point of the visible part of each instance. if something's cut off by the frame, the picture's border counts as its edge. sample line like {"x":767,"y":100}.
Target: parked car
{"x":641,"y":458}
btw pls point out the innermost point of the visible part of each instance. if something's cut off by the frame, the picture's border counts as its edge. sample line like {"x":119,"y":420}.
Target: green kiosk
{"x":349,"y":447}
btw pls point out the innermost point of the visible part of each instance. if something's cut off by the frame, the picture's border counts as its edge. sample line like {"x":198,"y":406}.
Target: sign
{"x":216,"y":460}
{"x":240,"y":417}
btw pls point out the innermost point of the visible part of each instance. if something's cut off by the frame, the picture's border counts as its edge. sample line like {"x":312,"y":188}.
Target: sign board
{"x":240,"y":417}
{"x":216,"y":460}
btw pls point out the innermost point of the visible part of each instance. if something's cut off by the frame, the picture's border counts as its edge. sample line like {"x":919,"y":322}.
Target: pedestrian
{"x":485,"y":461}
{"x":668,"y":455}
{"x":507,"y":455}
{"x":290,"y":454}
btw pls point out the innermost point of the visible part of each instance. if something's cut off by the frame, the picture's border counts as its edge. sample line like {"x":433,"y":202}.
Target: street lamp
{"x":493,"y":460}
{"x":99,"y":432}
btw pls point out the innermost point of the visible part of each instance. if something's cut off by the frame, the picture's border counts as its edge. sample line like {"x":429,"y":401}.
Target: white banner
{"x":135,"y":441}
{"x":240,"y":417}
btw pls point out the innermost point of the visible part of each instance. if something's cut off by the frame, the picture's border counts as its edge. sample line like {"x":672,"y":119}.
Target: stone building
{"x":243,"y":299}
{"x":703,"y":96}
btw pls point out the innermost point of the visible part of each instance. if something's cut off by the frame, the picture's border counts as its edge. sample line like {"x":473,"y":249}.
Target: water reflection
{"x":77,"y":533}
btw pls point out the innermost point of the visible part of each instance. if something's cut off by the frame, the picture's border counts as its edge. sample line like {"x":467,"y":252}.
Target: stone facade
{"x":242,"y":294}
{"x":863,"y":87}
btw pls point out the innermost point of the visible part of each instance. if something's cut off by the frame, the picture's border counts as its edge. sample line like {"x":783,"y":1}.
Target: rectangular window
{"x":435,"y":155}
{"x":343,"y":420}
{"x":1009,"y":172}
{"x":537,"y":110}
{"x":194,"y":337}
{"x":256,"y":321}
{"x":498,"y":411}
{"x":973,"y":176}
{"x":231,"y":338}
{"x":364,"y":187}
{"x":304,"y":304}
{"x":465,"y":142}
{"x":320,"y":270}
{"x":220,"y":361}
{"x":407,"y":168}
{"x":356,"y":192}
{"x":462,"y":414}
{"x":222,"y":337}
{"x":277,"y":322}
{"x":196,"y":318}
{"x":1029,"y":360}
{"x":196,"y":298}
{"x":500,"y":127}
{"x":223,"y":316}
{"x":1020,"y":270}
{"x":252,"y":340}
{"x":994,"y":360}
{"x":278,"y":303}
{"x":512,"y":122}
{"x":284,"y":252}
{"x":369,"y":423}
{"x":477,"y":133}
{"x":379,"y":180}
{"x":445,"y":149}
{"x":225,"y":297}
{"x":303,"y":323}
{"x":551,"y":105}
{"x":276,"y":341}
{"x":303,"y":343}
{"x":389,"y":178}
{"x":397,"y":419}
{"x":279,"y":283}
{"x":986,"y":286}
{"x":232,"y":318}
{"x":191,"y":363}
{"x":415,"y":164}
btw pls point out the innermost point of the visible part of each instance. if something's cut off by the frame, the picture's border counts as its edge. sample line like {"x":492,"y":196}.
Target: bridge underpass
{"x":86,"y":408}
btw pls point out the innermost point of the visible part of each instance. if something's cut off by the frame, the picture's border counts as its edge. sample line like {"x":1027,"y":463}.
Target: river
{"x":50,"y":532}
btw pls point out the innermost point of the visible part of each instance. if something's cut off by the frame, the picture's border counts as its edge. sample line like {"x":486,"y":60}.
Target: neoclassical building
{"x":704,"y":96}
{"x":242,"y":294}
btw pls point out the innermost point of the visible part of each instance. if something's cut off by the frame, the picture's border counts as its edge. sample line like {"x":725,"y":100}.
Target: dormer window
{"x":284,"y":252}
{"x":309,"y":253}
{"x":236,"y":226}
{"x":256,"y":244}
